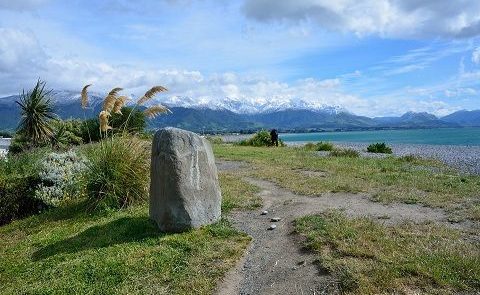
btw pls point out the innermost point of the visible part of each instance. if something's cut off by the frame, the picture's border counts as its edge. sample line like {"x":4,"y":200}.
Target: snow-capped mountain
{"x":236,"y":105}
{"x":248,"y":106}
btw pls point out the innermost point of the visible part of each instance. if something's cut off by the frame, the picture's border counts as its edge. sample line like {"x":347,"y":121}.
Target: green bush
{"x":117,"y":173}
{"x":90,"y":129}
{"x":18,"y":181}
{"x":349,"y":153}
{"x":6,"y":134}
{"x":17,"y":199}
{"x":381,"y":148}
{"x":66,"y":133}
{"x":319,"y":146}
{"x":260,"y":139}
{"x":136,"y":120}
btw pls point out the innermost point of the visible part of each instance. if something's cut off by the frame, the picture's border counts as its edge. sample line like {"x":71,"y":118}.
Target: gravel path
{"x":276,"y":262}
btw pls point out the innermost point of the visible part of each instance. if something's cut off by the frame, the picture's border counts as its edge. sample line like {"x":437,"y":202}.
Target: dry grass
{"x":84,"y":96}
{"x":154,"y":111}
{"x":150,"y":94}
{"x":369,"y":258}
{"x":119,"y":103}
{"x":103,"y":118}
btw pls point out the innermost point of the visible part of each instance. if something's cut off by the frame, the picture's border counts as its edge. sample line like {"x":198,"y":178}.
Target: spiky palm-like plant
{"x":36,"y":112}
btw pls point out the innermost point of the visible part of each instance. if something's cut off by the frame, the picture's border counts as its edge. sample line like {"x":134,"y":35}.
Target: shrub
{"x":18,"y":180}
{"x":349,"y":153}
{"x":136,"y":120}
{"x":16,"y":199}
{"x":259,"y":139}
{"x":379,"y":148}
{"x":67,"y":133}
{"x":117,"y":173}
{"x":90,"y":131}
{"x":60,"y":177}
{"x":6,"y":134}
{"x":319,"y":146}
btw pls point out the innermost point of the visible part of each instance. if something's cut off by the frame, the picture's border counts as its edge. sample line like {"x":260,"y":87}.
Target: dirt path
{"x":276,"y":263}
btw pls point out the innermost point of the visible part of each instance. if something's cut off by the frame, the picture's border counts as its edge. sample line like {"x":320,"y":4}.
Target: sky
{"x":371,"y":57}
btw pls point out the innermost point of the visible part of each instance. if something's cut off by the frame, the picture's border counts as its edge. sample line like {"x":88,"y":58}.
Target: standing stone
{"x":184,"y":189}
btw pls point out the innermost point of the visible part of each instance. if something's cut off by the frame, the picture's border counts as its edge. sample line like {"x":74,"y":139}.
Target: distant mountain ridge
{"x":233,"y":115}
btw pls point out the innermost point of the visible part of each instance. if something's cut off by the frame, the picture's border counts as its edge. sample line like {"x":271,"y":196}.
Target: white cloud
{"x":476,"y":55}
{"x":389,"y":18}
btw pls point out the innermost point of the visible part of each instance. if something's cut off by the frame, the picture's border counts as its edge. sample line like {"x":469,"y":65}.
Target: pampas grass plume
{"x":84,"y":99}
{"x":154,"y":111}
{"x":151,"y":93}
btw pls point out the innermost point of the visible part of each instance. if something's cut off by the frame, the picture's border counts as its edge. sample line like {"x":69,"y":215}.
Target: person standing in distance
{"x":274,"y":137}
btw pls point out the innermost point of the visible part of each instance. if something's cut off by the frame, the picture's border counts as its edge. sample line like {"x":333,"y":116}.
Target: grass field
{"x":363,"y":255}
{"x":408,"y":180}
{"x":67,"y":251}
{"x":369,"y":258}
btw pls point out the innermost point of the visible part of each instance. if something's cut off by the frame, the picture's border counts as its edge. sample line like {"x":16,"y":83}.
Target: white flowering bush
{"x":60,"y":177}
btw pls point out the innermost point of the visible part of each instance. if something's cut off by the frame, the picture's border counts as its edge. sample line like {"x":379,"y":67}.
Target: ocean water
{"x":444,"y":136}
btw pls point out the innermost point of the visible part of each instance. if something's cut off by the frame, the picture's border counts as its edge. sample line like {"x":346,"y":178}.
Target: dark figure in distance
{"x":274,"y":137}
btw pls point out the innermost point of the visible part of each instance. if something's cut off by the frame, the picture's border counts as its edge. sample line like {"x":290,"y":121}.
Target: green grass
{"x":369,"y":258}
{"x":386,"y":180}
{"x":237,"y":193}
{"x":70,"y":251}
{"x":67,"y":251}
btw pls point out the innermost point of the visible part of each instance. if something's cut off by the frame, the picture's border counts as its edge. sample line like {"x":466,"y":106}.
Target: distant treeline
{"x":6,"y":134}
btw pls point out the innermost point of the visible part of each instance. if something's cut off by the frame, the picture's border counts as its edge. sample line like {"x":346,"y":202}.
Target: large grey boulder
{"x":184,"y":189}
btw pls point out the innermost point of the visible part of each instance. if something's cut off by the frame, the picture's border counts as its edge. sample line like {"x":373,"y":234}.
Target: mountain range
{"x":234,"y":115}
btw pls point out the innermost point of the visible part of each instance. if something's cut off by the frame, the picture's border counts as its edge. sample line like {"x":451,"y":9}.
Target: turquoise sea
{"x":444,"y":136}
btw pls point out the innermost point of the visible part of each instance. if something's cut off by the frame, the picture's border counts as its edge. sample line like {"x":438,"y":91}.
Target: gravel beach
{"x":464,"y":158}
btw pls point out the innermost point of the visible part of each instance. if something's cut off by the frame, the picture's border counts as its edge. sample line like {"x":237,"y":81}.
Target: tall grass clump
{"x":117,"y":172}
{"x":380,"y":148}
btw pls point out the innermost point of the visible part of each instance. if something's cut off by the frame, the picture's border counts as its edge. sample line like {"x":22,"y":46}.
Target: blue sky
{"x":372,"y":57}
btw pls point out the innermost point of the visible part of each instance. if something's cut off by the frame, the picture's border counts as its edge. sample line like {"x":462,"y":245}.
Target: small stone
{"x":294,"y":268}
{"x":275,"y":219}
{"x":272,"y":227}
{"x":264,"y":212}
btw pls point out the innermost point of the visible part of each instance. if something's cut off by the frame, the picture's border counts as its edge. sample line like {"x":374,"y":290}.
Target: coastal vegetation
{"x":380,"y":148}
{"x":260,"y":139}
{"x":94,"y":234}
{"x":348,"y":153}
{"x":86,"y":185}
{"x":319,"y":146}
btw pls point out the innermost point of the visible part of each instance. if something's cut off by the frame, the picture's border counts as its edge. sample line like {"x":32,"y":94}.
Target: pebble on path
{"x":272,"y":227}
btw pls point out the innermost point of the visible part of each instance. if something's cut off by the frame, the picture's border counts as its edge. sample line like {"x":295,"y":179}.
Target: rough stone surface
{"x":184,"y":189}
